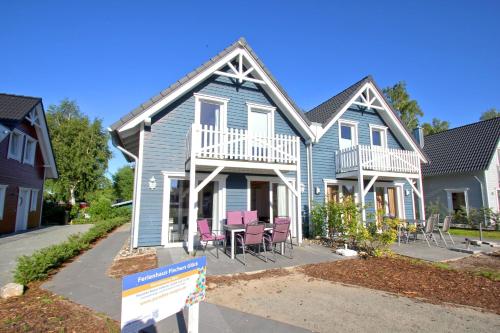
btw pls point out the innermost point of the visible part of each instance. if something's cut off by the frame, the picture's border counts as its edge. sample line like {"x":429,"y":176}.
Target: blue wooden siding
{"x":324,"y":153}
{"x":165,"y":148}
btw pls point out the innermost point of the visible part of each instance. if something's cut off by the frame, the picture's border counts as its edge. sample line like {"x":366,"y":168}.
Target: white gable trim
{"x":385,"y":113}
{"x":42,"y":133}
{"x":269,"y":87}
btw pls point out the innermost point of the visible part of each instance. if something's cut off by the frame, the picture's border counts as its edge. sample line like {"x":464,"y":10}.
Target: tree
{"x":490,"y":114}
{"x":436,"y":126}
{"x":408,"y":108}
{"x":123,"y":183}
{"x":81,"y":151}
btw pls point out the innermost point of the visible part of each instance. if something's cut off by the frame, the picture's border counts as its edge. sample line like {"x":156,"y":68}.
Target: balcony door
{"x":348,"y":134}
{"x":260,"y":129}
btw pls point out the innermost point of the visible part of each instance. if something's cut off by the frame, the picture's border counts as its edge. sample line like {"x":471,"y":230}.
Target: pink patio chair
{"x":234,"y":217}
{"x":279,"y":235}
{"x":206,"y":235}
{"x":250,"y":217}
{"x":253,"y":236}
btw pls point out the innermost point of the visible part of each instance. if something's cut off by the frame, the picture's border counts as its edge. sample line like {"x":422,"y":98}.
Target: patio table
{"x":234,"y":228}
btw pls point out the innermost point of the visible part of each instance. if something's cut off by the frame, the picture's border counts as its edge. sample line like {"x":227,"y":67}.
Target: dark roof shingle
{"x":327,"y":110}
{"x":463,"y":149}
{"x":16,"y":107}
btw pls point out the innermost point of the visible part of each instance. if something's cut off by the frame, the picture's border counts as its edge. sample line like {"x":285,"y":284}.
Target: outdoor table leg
{"x":232,"y":244}
{"x":283,"y":249}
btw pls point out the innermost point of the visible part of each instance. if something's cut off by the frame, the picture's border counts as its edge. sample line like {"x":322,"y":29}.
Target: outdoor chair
{"x":279,"y":235}
{"x":253,"y":236}
{"x":207,"y":235}
{"x":445,"y":229}
{"x":428,"y":229}
{"x":234,"y":217}
{"x":250,"y":217}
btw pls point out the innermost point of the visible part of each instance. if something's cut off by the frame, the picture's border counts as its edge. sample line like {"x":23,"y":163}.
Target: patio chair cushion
{"x":250,"y":216}
{"x":234,"y":217}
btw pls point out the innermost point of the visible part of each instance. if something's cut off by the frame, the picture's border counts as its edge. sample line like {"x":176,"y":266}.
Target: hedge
{"x":38,"y":265}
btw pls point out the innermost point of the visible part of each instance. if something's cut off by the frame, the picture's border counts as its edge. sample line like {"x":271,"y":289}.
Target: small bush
{"x":38,"y":265}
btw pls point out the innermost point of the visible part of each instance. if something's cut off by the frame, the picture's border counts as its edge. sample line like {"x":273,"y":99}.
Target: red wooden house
{"x":26,"y":160}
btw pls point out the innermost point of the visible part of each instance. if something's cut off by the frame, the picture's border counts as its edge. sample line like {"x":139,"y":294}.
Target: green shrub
{"x":38,"y":265}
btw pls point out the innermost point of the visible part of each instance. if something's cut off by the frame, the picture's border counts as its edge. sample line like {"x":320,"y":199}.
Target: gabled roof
{"x":327,"y":110}
{"x":462,"y":149}
{"x":155,"y":99}
{"x":331,"y":109}
{"x":16,"y":107}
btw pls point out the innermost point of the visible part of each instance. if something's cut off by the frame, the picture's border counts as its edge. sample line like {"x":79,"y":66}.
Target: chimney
{"x":418,"y":134}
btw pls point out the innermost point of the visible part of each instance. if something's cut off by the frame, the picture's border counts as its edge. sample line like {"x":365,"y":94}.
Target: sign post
{"x":153,"y":295}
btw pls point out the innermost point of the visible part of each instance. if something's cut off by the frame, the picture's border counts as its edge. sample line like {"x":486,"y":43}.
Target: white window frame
{"x":267,"y":109}
{"x":19,"y":155}
{"x":176,"y":175}
{"x":354,"y":125}
{"x":29,"y":139}
{"x":340,"y":183}
{"x":449,"y":192}
{"x":3,"y":195}
{"x":222,"y":101}
{"x":34,"y":204}
{"x":383,"y":135}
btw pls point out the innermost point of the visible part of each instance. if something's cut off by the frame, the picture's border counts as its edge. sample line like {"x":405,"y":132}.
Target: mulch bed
{"x":39,"y":310}
{"x":412,"y":279}
{"x":218,"y":280}
{"x":478,"y":262}
{"x":132,"y":265}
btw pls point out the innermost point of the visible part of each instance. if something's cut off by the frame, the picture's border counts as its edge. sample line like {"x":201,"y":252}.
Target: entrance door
{"x":332,"y":194}
{"x":392,"y":202}
{"x":23,"y":205}
{"x":259,"y":199}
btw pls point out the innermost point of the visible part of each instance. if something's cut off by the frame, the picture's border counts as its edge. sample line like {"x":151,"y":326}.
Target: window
{"x":34,"y":200}
{"x":261,"y":119}
{"x":29,"y":151}
{"x":3,"y":191}
{"x":210,"y":111}
{"x":348,"y":133}
{"x":458,"y":200}
{"x":16,"y":145}
{"x":378,"y":135}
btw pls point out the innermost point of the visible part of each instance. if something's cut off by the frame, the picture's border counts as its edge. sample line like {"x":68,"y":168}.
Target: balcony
{"x":233,"y":144}
{"x":377,"y":159}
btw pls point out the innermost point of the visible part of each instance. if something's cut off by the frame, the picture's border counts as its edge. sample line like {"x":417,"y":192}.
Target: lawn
{"x":475,"y":233}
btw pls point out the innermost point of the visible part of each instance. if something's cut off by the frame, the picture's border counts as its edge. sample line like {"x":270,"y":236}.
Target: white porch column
{"x":421,"y":190}
{"x":193,"y":195}
{"x":361,"y":187}
{"x":299,"y":195}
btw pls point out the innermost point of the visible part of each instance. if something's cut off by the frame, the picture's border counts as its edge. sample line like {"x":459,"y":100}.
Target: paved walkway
{"x":306,"y":254}
{"x":84,"y":281}
{"x":420,"y":250}
{"x":13,"y":246}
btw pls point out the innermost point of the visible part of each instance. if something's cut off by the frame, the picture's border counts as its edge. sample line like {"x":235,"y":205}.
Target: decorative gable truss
{"x":369,"y":97}
{"x":238,"y":70}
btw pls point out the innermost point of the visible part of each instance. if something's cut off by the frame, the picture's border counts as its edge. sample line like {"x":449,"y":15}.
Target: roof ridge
{"x":22,"y":96}
{"x":462,"y":126}
{"x":367,"y":77}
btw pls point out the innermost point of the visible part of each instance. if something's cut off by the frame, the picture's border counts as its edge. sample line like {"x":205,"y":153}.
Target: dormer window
{"x":29,"y":151}
{"x":16,"y":145}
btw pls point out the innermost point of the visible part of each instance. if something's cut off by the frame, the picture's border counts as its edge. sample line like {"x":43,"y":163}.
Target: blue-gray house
{"x":228,"y":137}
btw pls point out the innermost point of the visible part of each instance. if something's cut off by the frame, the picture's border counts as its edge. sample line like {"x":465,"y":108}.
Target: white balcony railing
{"x":240,"y":144}
{"x":377,"y":159}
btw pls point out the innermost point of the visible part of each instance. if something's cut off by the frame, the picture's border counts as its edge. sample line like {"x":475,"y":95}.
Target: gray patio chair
{"x":445,"y":229}
{"x":428,"y":229}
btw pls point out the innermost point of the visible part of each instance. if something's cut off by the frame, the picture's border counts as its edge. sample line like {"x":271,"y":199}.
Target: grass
{"x":489,"y":274}
{"x":475,"y":233}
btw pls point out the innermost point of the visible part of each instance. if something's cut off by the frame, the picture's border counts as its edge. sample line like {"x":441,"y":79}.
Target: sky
{"x":111,"y":56}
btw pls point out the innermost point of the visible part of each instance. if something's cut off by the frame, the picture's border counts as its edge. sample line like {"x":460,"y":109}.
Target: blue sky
{"x":111,"y":56}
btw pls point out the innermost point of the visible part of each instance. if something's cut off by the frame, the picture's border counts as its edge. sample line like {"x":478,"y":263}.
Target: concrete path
{"x":16,"y":245}
{"x":84,"y":281}
{"x":420,"y":250}
{"x":306,"y":254}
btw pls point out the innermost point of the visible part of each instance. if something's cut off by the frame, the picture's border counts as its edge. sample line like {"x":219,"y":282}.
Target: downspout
{"x":483,"y":197}
{"x":132,"y":228}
